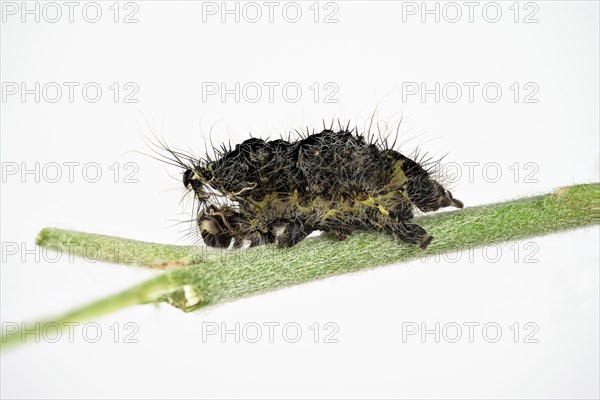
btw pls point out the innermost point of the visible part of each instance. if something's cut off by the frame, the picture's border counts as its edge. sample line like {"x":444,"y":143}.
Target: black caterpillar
{"x":280,"y":191}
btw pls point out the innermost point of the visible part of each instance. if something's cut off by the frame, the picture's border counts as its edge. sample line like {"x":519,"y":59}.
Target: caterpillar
{"x":334,"y":181}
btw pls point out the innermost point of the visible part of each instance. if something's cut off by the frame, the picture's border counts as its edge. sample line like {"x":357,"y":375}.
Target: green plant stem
{"x":230,"y":275}
{"x":117,"y":250}
{"x":150,"y":291}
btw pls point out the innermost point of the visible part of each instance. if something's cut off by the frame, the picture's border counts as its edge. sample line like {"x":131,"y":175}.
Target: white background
{"x":370,"y":54}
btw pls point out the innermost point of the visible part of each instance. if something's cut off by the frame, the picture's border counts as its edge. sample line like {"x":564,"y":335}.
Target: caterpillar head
{"x":216,"y":226}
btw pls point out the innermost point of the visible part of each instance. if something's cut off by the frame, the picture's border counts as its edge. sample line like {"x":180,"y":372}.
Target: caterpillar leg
{"x":411,"y":233}
{"x":289,"y":233}
{"x":253,"y":239}
{"x":339,"y":233}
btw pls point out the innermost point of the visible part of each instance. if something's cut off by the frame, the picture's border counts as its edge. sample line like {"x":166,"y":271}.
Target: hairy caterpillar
{"x":280,"y":191}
